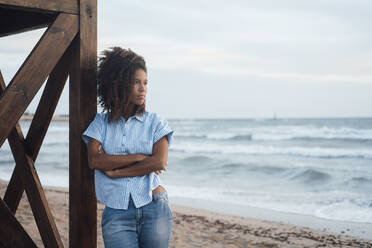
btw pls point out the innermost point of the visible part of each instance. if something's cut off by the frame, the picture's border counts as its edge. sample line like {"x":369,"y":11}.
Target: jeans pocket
{"x":161,"y":200}
{"x":161,"y":196}
{"x":109,"y":215}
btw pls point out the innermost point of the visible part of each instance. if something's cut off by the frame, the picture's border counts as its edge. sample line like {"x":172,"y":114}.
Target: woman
{"x":128,"y":149}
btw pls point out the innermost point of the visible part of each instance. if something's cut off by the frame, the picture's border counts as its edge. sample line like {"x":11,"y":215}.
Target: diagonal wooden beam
{"x":39,"y":125}
{"x":14,"y":191}
{"x":15,"y":187}
{"x":66,"y":6}
{"x":12,"y":233}
{"x":35,"y":194}
{"x":39,"y":64}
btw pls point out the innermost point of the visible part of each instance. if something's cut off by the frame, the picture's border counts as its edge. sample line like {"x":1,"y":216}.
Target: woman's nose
{"x":142,"y":87}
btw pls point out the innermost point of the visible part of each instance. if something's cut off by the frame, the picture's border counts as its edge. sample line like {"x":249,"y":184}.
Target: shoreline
{"x":355,"y":229}
{"x":198,"y":227}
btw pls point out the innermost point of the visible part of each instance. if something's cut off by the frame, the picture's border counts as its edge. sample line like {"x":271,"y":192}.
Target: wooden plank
{"x":39,"y":125}
{"x":15,"y":187}
{"x":35,"y":194}
{"x":83,"y":107}
{"x":31,"y":75}
{"x":16,"y":21}
{"x":47,"y":105}
{"x":12,"y":233}
{"x":66,"y":6}
{"x":14,"y":191}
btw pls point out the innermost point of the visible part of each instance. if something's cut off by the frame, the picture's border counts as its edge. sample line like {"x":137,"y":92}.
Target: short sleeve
{"x":95,"y":129}
{"x":162,"y":129}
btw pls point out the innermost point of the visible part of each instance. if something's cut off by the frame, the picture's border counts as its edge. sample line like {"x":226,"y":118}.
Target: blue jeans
{"x":147,"y":226}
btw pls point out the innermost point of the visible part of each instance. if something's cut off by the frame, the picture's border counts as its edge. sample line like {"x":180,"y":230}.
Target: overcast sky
{"x":237,"y":59}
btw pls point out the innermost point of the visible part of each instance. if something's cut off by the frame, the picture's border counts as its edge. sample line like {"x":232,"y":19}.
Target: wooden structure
{"x":67,"y":48}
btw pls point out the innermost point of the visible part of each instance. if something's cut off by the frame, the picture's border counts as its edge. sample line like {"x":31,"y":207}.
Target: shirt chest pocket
{"x":141,"y":146}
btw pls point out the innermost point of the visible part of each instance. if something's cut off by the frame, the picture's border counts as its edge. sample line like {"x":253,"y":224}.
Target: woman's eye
{"x":139,"y":82}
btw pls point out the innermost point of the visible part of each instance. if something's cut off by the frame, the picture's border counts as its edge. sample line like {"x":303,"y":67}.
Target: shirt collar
{"x":140,"y":117}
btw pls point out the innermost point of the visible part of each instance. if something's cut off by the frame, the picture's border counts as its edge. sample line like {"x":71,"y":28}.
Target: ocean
{"x":318,"y":167}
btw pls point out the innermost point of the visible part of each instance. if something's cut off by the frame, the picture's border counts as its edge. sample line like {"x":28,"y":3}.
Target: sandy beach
{"x":199,"y":228}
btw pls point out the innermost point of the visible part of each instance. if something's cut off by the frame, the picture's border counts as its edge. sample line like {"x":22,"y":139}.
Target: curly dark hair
{"x":115,"y":78}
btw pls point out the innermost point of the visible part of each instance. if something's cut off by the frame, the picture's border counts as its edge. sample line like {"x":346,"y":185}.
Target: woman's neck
{"x":129,"y":111}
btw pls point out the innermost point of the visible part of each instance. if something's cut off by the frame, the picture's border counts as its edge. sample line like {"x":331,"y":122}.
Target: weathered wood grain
{"x":15,"y":188}
{"x":83,"y":107}
{"x":66,"y":6}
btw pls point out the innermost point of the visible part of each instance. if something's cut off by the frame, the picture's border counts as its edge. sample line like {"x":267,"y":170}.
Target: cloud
{"x":310,"y":41}
{"x":298,"y":43}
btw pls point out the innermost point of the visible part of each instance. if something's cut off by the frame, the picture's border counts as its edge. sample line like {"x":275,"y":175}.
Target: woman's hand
{"x":100,"y":149}
{"x":110,"y":173}
{"x":158,"y":172}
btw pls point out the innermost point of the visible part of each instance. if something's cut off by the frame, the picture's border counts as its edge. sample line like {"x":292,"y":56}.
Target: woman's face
{"x":139,"y":88}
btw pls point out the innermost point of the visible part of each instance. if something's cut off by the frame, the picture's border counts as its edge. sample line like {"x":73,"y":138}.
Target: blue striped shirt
{"x":136,"y":135}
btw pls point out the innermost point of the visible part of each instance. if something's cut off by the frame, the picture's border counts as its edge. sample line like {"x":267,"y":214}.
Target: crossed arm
{"x":128,"y":165}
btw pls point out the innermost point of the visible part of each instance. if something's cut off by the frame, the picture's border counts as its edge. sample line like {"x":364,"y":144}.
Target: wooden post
{"x":83,"y":107}
{"x":76,"y":21}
